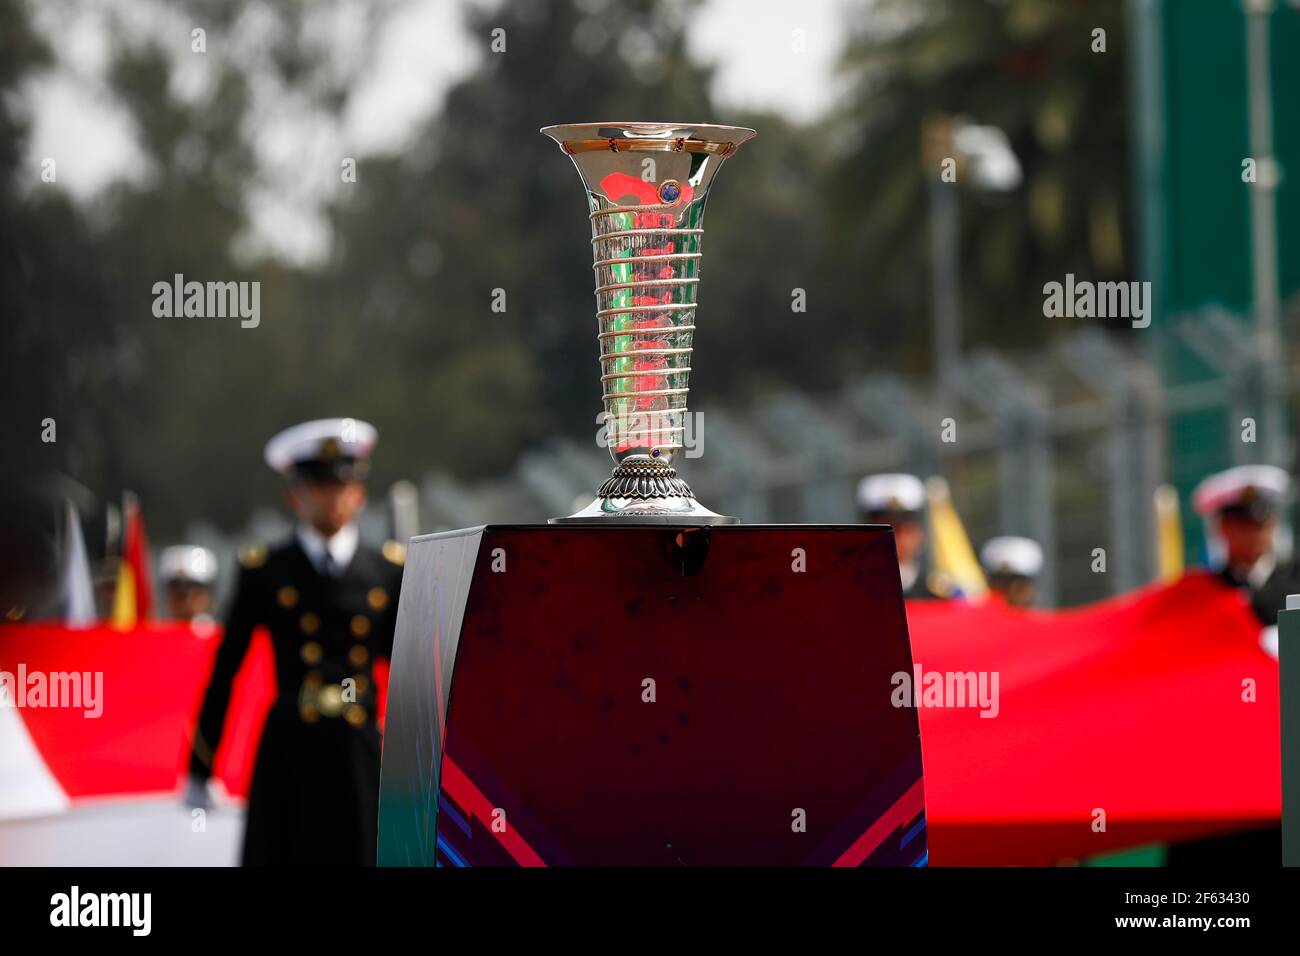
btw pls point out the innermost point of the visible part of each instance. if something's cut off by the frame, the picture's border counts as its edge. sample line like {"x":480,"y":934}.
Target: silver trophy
{"x":646,"y":185}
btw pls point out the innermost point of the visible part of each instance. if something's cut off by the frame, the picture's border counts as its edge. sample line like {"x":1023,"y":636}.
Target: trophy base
{"x":645,"y":490}
{"x":660,"y":511}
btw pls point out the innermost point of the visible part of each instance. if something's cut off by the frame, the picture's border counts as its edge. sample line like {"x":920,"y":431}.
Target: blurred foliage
{"x":1028,"y":67}
{"x":397,"y":326}
{"x":482,"y":201}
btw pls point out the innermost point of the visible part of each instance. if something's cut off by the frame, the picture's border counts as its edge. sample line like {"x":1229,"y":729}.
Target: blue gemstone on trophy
{"x":670,"y":191}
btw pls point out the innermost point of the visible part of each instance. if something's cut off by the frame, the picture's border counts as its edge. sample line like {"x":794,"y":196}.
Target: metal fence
{"x":1067,"y":447}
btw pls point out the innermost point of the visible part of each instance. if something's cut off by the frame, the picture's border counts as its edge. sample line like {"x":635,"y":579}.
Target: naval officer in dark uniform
{"x":330,"y":605}
{"x":1241,"y":508}
{"x":898,"y":500}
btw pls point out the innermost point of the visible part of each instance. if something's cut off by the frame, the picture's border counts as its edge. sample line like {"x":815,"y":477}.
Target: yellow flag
{"x":1169,"y":534}
{"x":953,"y":558}
{"x":124,"y":610}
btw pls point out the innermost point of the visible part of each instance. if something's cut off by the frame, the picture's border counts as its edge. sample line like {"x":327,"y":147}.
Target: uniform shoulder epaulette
{"x":395,"y":552}
{"x":252,"y":556}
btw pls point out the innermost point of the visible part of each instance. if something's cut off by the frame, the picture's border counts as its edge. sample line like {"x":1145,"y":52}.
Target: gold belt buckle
{"x":316,"y":700}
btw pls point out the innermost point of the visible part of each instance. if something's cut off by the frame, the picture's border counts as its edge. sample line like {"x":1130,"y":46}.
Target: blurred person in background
{"x":330,"y":605}
{"x":188,"y":573}
{"x":1012,"y":565}
{"x":898,"y":500}
{"x":1242,"y":508}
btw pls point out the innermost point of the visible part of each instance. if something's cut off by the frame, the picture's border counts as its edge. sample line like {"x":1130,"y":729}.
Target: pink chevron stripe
{"x":475,"y":804}
{"x":903,"y":811}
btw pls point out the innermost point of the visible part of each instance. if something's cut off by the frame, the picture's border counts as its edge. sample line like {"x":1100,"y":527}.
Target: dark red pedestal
{"x":651,"y":696}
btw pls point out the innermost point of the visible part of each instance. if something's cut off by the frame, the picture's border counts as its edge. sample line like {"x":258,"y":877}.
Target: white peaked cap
{"x":345,"y":437}
{"x":1237,"y":484}
{"x":187,"y":562}
{"x":1012,"y":555}
{"x":891,"y":492}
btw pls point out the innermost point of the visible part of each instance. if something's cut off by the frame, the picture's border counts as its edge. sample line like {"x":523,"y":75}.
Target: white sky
{"x":771,"y":54}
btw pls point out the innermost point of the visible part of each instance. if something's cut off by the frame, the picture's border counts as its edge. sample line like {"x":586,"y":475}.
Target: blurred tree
{"x":176,"y":409}
{"x":1026,"y":66}
{"x":482,"y":201}
{"x":398,"y":325}
{"x":52,"y":342}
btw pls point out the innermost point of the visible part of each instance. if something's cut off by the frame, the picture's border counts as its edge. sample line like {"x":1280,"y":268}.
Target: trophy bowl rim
{"x":711,"y":132}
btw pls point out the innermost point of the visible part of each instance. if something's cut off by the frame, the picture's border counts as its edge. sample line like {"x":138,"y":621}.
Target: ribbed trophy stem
{"x":646,"y":185}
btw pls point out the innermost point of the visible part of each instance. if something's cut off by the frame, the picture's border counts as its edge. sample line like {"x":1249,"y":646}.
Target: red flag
{"x":1152,"y":717}
{"x":144,"y":693}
